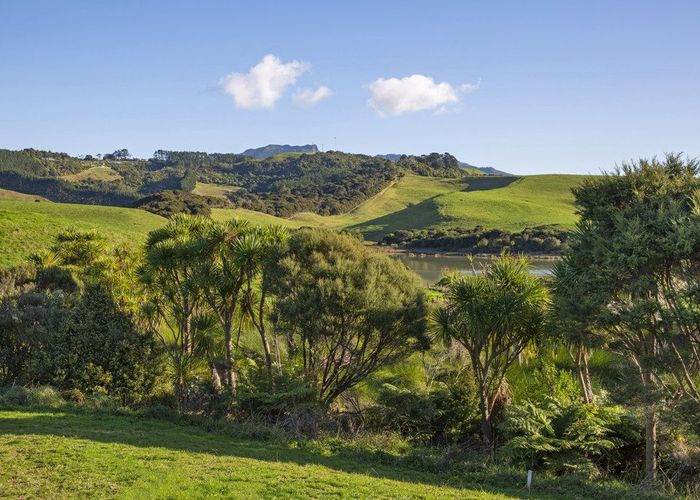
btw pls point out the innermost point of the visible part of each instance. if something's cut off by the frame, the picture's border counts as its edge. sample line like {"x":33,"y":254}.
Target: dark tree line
{"x":542,"y":240}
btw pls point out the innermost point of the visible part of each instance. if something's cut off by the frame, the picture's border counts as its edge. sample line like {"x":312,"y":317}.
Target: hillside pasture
{"x":99,"y":173}
{"x":28,"y":227}
{"x":215,"y":190}
{"x":6,"y":194}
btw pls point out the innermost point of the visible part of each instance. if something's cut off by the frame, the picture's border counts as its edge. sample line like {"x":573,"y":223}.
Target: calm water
{"x":431,"y":267}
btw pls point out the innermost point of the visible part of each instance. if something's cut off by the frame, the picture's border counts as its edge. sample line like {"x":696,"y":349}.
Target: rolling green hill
{"x":415,"y":202}
{"x":27,"y":227}
{"x":412,"y":202}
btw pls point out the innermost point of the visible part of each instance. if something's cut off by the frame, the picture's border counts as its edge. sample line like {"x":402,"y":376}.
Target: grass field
{"x":56,"y":455}
{"x":215,"y":190}
{"x":100,"y":173}
{"x":69,"y":454}
{"x":27,"y":227}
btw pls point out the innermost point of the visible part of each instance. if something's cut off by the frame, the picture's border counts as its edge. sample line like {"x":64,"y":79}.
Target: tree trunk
{"x":650,"y":427}
{"x":650,"y":444}
{"x":268,"y":355}
{"x":583,"y":375}
{"x":215,"y":379}
{"x":486,"y":428}
{"x":230,"y":373}
{"x":259,"y":322}
{"x":587,"y":378}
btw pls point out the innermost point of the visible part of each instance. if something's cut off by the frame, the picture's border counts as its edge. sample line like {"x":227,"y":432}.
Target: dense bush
{"x":432,"y":165}
{"x":169,"y":203}
{"x":479,"y":240}
{"x":99,"y":349}
{"x":75,"y":341}
{"x":345,"y":311}
{"x":446,"y":414}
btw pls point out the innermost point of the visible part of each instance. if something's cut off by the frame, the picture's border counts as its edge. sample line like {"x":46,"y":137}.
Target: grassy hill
{"x":27,"y":227}
{"x":415,"y":202}
{"x":59,"y":454}
{"x":6,"y":194}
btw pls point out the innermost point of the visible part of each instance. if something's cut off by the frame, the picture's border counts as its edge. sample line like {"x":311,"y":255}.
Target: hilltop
{"x":275,"y":149}
{"x":328,"y":183}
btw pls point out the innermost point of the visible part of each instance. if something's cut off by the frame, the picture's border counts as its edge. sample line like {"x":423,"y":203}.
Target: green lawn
{"x":57,"y":455}
{"x":27,"y":227}
{"x":77,"y":454}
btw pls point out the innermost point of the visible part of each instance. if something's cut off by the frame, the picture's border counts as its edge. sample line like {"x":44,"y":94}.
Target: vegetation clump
{"x":539,"y":240}
{"x":169,"y":203}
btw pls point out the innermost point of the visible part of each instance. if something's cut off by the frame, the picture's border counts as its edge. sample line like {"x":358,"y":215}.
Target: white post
{"x":529,"y":480}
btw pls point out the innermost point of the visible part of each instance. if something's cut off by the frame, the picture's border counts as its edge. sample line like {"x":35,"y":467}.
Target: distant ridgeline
{"x":275,"y":149}
{"x":542,"y":240}
{"x":283,"y":184}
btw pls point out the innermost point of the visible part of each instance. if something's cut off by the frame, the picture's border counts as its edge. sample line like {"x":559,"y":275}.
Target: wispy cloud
{"x":396,"y":96}
{"x":307,"y":98}
{"x":264,"y":84}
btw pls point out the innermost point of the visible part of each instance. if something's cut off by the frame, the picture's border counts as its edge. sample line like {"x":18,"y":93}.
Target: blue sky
{"x":557,"y":86}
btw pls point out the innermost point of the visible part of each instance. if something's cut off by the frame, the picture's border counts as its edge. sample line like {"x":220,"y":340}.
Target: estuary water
{"x":431,"y":267}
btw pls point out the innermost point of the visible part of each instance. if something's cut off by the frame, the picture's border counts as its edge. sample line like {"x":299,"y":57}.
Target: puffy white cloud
{"x":395,"y":96}
{"x":264,"y":84}
{"x":307,"y":98}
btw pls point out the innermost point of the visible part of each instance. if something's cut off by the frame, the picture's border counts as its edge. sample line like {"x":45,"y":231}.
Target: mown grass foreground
{"x":52,"y":455}
{"x":71,"y":453}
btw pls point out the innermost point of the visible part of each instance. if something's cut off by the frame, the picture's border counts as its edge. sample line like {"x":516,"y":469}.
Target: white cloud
{"x":307,"y":98}
{"x":264,"y":84}
{"x":469,"y":87}
{"x":395,"y":96}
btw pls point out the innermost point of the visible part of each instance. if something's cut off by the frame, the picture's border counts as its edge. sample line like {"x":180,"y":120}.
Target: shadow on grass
{"x":418,"y":216}
{"x":142,"y":432}
{"x":487,"y":183}
{"x":426,"y":213}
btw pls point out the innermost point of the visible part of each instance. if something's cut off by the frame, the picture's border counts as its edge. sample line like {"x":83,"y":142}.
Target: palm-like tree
{"x":221,"y":278}
{"x":252,"y":252}
{"x":495,"y":316}
{"x":172,"y":263}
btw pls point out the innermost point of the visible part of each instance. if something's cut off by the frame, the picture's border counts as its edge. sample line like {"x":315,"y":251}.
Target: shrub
{"x":571,"y":437}
{"x":45,"y":396}
{"x":99,"y":349}
{"x":74,"y":396}
{"x":15,"y":395}
{"x":447,"y":414}
{"x":160,"y":412}
{"x":101,"y":402}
